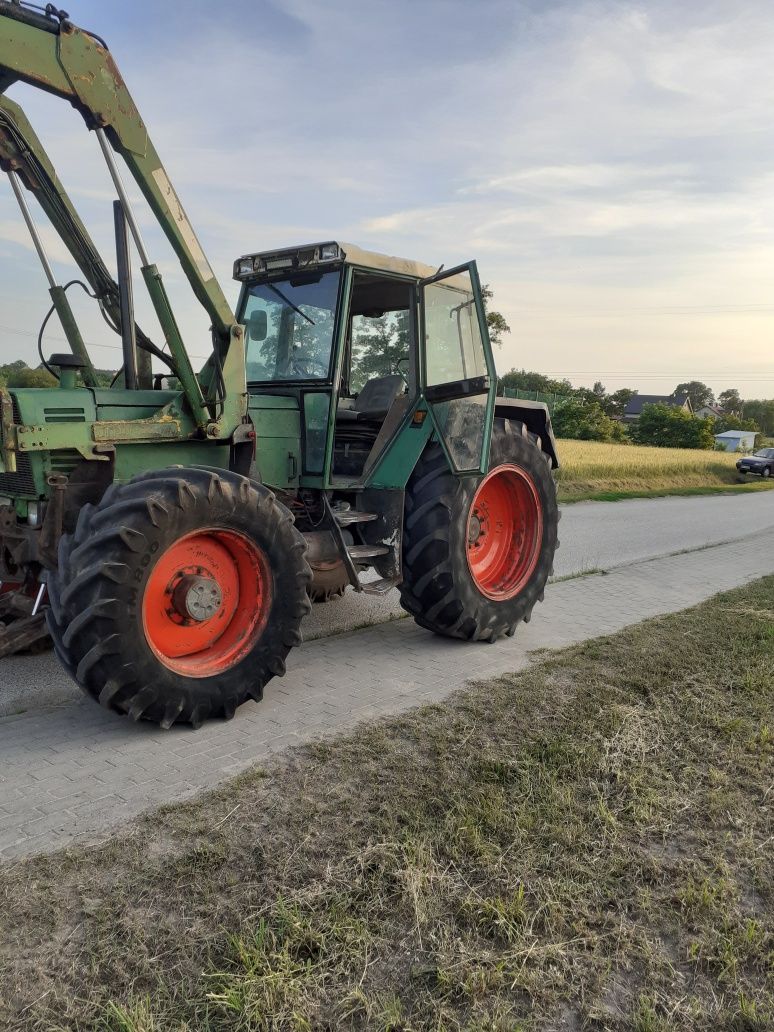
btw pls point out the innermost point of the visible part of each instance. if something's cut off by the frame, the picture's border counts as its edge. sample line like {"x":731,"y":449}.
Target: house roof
{"x":736,"y":434}
{"x":716,"y":409}
{"x":637,"y":402}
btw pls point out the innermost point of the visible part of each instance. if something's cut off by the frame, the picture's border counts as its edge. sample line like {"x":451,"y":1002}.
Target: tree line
{"x":595,"y":414}
{"x":19,"y":374}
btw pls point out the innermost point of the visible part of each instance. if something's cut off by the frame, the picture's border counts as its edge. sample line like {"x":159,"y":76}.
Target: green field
{"x":593,"y":469}
{"x":584,"y":846}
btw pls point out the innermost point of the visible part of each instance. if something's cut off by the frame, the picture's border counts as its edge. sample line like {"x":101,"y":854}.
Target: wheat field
{"x":592,"y":467}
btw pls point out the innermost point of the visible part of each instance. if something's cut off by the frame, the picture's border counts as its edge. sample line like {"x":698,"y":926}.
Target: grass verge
{"x":593,"y":470}
{"x":587,"y":845}
{"x":661,"y":492}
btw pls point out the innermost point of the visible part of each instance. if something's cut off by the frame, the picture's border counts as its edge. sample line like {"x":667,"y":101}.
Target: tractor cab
{"x":370,"y":354}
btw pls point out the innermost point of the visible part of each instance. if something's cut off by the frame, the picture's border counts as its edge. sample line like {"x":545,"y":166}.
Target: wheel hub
{"x":197,"y":598}
{"x":206,"y":601}
{"x":475,"y":528}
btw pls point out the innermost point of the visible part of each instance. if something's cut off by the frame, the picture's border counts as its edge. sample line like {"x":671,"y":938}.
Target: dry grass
{"x":584,"y":846}
{"x":592,"y":467}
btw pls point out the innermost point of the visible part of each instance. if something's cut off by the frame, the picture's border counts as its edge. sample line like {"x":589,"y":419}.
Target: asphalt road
{"x":594,"y":536}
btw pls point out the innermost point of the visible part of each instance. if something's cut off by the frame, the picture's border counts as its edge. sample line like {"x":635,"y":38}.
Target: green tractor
{"x":345,"y":431}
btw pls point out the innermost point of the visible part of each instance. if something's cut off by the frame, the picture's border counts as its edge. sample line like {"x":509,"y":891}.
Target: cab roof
{"x":331,"y":252}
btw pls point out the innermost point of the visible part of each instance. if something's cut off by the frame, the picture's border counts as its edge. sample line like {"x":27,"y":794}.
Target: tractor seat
{"x":373,"y":403}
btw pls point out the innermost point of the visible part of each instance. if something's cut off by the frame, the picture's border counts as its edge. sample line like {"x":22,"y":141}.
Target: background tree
{"x":9,"y":368}
{"x":732,"y":422}
{"x":526,"y":380}
{"x":699,"y":393}
{"x":495,"y":321}
{"x":26,"y":377}
{"x":618,"y":401}
{"x":761,"y":412}
{"x":665,"y":427}
{"x":730,"y":401}
{"x":585,"y":421}
{"x":19,"y":374}
{"x":106,"y":376}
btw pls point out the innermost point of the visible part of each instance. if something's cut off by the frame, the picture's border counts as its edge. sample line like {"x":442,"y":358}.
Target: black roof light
{"x":288,"y":260}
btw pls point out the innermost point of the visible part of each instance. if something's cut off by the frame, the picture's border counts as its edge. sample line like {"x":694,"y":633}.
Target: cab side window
{"x":379,"y":347}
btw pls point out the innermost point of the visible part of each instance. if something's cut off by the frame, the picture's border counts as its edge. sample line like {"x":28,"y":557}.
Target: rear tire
{"x":179,"y":595}
{"x":457,"y":581}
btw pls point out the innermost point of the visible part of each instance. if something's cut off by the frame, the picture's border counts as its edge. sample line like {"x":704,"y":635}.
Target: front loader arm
{"x":22,"y":152}
{"x":49,"y":52}
{"x":69,"y":62}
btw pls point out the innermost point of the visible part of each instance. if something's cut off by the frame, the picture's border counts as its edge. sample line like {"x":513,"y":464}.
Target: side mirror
{"x":258,"y":325}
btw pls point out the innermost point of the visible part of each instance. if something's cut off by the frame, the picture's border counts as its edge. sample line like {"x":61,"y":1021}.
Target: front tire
{"x":478,"y":551}
{"x":179,"y":595}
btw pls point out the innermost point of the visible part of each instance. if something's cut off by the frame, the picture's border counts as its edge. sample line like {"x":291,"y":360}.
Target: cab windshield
{"x":290,"y":327}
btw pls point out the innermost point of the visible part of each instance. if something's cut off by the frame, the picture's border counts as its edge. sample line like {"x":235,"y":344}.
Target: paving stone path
{"x":75,"y":771}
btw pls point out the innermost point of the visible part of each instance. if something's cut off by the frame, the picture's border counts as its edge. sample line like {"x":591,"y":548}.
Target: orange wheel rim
{"x":206,"y":602}
{"x":504,"y":532}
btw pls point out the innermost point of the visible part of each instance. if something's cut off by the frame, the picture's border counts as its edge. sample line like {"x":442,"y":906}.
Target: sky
{"x":610,"y":165}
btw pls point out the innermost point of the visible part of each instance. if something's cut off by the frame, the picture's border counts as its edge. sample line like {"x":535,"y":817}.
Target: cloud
{"x":595,"y":156}
{"x":14,"y":231}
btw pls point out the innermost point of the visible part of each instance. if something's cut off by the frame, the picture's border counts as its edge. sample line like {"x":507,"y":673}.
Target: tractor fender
{"x":535,"y":416}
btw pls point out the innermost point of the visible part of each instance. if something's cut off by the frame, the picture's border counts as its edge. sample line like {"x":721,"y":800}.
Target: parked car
{"x":761,"y":463}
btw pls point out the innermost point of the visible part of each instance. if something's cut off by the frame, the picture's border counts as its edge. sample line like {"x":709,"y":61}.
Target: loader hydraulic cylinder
{"x":158,"y":295}
{"x":58,"y":294}
{"x":126,"y":298}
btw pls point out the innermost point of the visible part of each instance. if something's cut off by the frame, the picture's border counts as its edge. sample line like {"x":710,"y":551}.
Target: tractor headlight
{"x":281,"y":262}
{"x":286,"y":261}
{"x":330,"y":252}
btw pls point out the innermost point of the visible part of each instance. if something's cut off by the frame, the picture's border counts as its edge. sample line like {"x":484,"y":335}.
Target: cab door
{"x":456,"y":366}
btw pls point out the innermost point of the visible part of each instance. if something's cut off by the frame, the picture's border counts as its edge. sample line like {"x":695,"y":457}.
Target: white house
{"x":736,"y":440}
{"x":711,"y":411}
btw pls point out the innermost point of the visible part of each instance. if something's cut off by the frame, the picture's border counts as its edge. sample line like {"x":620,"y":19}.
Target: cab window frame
{"x":321,"y":382}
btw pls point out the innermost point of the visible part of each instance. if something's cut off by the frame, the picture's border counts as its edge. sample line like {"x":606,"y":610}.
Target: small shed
{"x":736,"y":440}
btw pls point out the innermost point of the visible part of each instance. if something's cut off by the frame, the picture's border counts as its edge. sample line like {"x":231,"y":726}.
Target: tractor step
{"x":358,"y":553}
{"x":346,"y":517}
{"x":380,"y":587}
